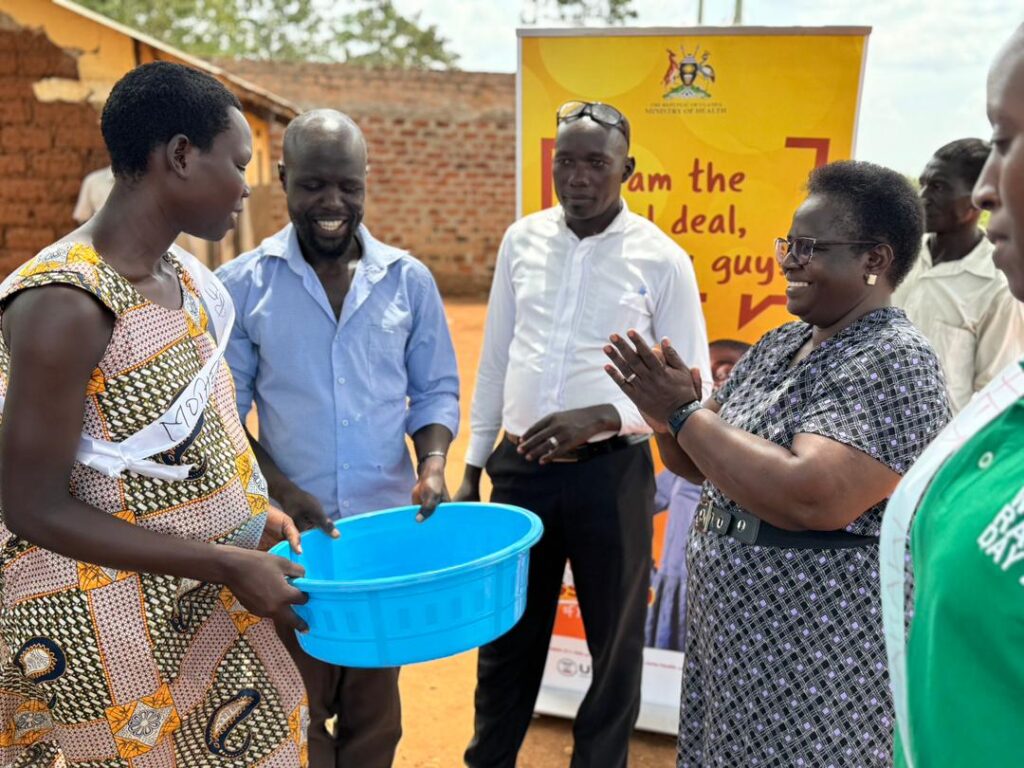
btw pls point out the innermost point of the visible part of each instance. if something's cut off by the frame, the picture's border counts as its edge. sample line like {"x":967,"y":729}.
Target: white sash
{"x":1001,"y":393}
{"x":180,"y":419}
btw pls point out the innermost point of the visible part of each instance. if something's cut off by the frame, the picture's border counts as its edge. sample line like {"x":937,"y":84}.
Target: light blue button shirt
{"x":336,"y":397}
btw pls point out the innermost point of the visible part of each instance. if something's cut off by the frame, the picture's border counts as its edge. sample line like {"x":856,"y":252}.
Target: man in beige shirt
{"x":954,"y":293}
{"x":93,"y":193}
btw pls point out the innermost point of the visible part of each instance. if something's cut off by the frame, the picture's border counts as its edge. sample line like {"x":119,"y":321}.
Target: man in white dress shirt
{"x":574,"y":449}
{"x":954,"y":293}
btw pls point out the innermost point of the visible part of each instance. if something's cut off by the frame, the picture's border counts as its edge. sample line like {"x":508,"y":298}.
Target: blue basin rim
{"x":531,"y":537}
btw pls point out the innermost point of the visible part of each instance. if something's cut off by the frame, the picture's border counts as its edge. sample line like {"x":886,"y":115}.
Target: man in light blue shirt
{"x":343,"y":344}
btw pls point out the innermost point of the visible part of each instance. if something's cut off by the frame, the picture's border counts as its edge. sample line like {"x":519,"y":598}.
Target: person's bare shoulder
{"x":57,"y":322}
{"x":81,"y":235}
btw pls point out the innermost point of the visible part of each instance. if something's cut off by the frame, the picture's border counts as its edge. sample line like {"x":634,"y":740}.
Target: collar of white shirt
{"x":977,"y":262}
{"x":618,"y":224}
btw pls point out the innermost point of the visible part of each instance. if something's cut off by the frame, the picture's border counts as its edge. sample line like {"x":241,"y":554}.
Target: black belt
{"x":753,"y":531}
{"x":588,"y":451}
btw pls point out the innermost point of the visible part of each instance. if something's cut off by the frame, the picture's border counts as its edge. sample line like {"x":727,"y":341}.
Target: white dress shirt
{"x":554,"y":302}
{"x":967,"y":312}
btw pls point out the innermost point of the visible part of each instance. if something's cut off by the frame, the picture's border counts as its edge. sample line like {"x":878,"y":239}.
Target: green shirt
{"x":965,"y":655}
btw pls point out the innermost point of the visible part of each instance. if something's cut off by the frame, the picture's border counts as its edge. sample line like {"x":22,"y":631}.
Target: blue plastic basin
{"x":392,"y":591}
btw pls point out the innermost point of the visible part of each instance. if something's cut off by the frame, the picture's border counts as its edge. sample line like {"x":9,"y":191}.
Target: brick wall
{"x":45,"y":149}
{"x":442,"y":152}
{"x":442,"y":157}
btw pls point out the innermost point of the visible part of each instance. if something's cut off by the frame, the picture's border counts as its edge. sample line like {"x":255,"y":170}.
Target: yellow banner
{"x":726,"y":126}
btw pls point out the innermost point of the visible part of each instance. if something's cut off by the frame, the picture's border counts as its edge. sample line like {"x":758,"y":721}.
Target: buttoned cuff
{"x":481,"y":445}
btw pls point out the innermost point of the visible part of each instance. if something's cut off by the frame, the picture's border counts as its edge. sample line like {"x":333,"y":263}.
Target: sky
{"x":926,"y":66}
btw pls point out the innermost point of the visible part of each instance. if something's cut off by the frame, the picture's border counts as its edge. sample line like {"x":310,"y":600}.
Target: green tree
{"x":580,"y":12}
{"x":375,"y":34}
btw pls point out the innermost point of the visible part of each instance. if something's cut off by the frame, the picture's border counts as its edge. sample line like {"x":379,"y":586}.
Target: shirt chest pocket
{"x":632,"y":311}
{"x":386,"y":359}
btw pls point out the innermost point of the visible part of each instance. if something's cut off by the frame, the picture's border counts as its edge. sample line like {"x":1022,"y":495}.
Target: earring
{"x":871,"y":279}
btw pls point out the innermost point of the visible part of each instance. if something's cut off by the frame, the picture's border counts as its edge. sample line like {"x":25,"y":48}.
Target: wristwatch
{"x":678,"y":417}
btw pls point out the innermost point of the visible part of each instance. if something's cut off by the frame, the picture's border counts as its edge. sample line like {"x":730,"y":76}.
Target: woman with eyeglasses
{"x":798,"y":452}
{"x":958,"y":680}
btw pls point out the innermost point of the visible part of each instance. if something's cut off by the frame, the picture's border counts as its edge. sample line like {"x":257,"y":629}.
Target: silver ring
{"x":630,"y":378}
{"x":554,"y":442}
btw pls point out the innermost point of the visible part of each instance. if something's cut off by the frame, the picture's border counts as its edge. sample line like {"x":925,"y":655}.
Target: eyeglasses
{"x":605,"y":114}
{"x":802,"y":248}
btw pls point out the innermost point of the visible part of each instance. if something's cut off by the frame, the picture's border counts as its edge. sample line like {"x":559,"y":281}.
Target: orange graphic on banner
{"x":568,"y":621}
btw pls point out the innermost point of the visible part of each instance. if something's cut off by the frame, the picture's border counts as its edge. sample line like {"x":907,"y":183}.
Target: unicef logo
{"x":567,"y":668}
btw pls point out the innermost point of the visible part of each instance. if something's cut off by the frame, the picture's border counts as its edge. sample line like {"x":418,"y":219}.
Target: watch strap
{"x":678,"y":417}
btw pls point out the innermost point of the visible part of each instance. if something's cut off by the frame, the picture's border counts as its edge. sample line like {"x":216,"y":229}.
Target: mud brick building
{"x":442,"y":144}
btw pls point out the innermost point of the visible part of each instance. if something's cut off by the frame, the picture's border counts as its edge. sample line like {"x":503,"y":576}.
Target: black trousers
{"x":597,"y":514}
{"x":366,"y":703}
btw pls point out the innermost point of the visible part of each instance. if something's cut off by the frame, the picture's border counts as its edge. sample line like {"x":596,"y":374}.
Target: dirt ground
{"x":437,"y":701}
{"x":438,"y":697}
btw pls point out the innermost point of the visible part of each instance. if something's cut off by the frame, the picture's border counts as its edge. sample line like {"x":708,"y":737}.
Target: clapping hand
{"x":656,"y":380}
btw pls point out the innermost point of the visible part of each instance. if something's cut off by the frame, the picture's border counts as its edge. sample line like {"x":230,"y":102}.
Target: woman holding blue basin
{"x":798,"y":452}
{"x":134,"y":607}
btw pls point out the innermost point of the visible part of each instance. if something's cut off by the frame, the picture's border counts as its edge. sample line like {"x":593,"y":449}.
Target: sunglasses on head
{"x":802,"y":248}
{"x":605,"y":114}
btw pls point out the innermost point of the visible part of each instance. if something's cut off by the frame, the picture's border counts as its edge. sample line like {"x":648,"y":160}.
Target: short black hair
{"x":968,"y":155}
{"x":155,"y":102}
{"x":882,"y":205}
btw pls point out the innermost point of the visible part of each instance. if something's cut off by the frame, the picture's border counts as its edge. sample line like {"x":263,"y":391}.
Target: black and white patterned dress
{"x":785,"y":659}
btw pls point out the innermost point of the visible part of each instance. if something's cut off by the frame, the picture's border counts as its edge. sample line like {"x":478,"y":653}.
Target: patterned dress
{"x":785,"y":658}
{"x":111,"y":669}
